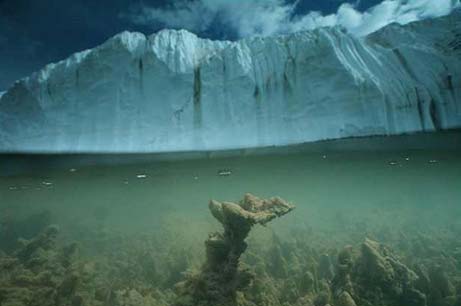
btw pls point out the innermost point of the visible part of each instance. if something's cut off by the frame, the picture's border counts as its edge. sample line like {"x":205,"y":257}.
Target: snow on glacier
{"x":173,"y":91}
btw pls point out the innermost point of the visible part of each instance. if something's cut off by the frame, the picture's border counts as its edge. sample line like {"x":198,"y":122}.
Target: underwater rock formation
{"x":112,"y":268}
{"x":39,"y":273}
{"x":375,"y":276}
{"x":221,"y":276}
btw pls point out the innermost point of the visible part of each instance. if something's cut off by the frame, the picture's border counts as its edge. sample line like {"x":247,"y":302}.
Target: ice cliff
{"x":173,"y":91}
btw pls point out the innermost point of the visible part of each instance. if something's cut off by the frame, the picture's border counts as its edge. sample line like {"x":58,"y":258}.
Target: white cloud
{"x":247,"y":18}
{"x":399,"y":11}
{"x":269,"y":17}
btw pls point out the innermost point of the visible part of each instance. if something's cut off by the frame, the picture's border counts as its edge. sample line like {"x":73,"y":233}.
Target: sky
{"x":34,"y":33}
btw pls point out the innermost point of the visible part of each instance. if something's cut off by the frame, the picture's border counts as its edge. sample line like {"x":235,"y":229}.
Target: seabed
{"x":359,"y":222}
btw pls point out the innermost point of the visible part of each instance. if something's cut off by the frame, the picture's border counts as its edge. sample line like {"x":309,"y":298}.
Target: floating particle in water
{"x":47,"y":184}
{"x":141,"y":176}
{"x":224,"y":172}
{"x":195,"y":178}
{"x":433,"y":161}
{"x":393,"y":163}
{"x":125,"y":182}
{"x":407,"y":158}
{"x":324,"y":156}
{"x":72,"y":170}
{"x":12,"y":188}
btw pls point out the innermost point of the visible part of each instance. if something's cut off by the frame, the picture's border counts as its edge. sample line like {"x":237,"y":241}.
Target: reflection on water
{"x":370,"y":227}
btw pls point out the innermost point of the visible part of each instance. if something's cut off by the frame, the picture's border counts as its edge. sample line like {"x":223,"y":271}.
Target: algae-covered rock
{"x":307,"y":284}
{"x":441,"y":285}
{"x":40,"y":273}
{"x":375,"y":276}
{"x":345,"y":299}
{"x":322,"y":299}
{"x":221,"y":276}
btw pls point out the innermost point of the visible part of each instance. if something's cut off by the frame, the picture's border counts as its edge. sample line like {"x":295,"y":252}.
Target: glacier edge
{"x":173,"y":91}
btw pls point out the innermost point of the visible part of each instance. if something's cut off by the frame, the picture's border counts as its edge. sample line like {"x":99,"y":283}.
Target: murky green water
{"x":139,"y":226}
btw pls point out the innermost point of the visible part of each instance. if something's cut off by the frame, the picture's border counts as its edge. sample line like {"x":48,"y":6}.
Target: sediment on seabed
{"x":362,"y":265}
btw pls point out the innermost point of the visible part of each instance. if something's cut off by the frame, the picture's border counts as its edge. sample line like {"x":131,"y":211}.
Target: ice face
{"x":173,"y":91}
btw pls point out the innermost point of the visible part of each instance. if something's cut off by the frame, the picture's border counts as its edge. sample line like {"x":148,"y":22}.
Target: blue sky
{"x":36,"y":32}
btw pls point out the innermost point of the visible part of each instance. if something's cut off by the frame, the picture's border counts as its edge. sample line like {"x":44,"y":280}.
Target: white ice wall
{"x":173,"y":91}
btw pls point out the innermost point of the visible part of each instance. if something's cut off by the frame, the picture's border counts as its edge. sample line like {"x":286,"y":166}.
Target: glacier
{"x":173,"y":91}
